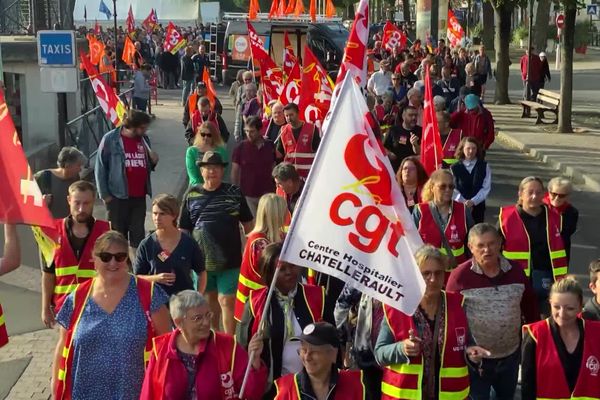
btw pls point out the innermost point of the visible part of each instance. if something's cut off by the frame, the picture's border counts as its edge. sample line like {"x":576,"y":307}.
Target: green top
{"x":192,"y":155}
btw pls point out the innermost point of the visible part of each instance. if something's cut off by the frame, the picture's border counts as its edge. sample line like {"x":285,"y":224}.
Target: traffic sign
{"x":56,"y":48}
{"x":592,"y":9}
{"x":59,"y":79}
{"x":560,"y":21}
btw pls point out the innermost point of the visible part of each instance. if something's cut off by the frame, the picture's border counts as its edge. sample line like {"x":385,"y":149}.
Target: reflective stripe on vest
{"x":516,"y":238}
{"x":550,"y":371}
{"x":299,"y":152}
{"x":405,"y":381}
{"x":249,"y":279}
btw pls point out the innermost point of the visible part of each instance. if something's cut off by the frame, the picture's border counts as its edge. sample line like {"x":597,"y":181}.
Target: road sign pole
{"x":558,"y":49}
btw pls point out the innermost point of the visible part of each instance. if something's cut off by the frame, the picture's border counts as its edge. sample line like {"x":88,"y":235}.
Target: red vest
{"x":64,"y":382}
{"x":68,"y":271}
{"x":450,"y":146}
{"x":456,"y":230}
{"x":249,"y":278}
{"x":550,"y":374}
{"x":160,"y":373}
{"x":314,"y":297}
{"x":3,"y":332}
{"x":299,"y":153}
{"x":403,"y":381}
{"x":348,"y":387}
{"x":197,"y":120}
{"x":516,"y":240}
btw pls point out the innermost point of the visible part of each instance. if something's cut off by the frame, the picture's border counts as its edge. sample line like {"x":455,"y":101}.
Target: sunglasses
{"x":205,"y":134}
{"x":559,"y":195}
{"x":106,"y":257}
{"x":446,"y":187}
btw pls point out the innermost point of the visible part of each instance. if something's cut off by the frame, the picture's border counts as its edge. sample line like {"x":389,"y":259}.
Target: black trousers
{"x":128,"y":216}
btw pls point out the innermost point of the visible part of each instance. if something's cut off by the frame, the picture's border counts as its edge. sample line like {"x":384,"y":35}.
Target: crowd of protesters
{"x":187,"y":322}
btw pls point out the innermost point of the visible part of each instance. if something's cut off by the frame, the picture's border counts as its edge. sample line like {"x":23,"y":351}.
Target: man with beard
{"x":73,"y":259}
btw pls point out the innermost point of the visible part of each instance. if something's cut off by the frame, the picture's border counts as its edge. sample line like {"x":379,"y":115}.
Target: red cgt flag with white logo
{"x":21,"y":200}
{"x":393,"y":37}
{"x":271,"y":75}
{"x":365,"y":235}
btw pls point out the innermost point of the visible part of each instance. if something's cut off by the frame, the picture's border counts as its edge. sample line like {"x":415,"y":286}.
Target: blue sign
{"x":592,"y":9}
{"x":56,"y":48}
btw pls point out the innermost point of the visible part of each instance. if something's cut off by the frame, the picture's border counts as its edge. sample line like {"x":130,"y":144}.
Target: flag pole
{"x":115,"y":44}
{"x":261,"y":326}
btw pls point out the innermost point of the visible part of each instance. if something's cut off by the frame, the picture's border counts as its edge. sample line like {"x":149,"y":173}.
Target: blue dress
{"x":108,"y":361}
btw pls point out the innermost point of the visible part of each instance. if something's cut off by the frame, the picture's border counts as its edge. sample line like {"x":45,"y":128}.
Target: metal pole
{"x":529,"y":58}
{"x":115,"y":39}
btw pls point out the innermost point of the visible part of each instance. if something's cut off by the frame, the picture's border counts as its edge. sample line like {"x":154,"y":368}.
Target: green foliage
{"x":552,"y":32}
{"x":571,"y":4}
{"x":582,"y":33}
{"x":477,"y":30}
{"x":520,"y":33}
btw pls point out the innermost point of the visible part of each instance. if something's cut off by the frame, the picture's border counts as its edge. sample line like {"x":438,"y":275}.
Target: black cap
{"x":319,"y":334}
{"x":211,"y":158}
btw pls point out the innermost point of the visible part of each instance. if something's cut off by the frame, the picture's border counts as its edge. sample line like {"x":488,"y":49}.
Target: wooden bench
{"x":547,"y":101}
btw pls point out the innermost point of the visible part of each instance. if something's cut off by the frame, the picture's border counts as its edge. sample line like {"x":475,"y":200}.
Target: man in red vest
{"x":73,"y":259}
{"x":10,"y":261}
{"x":319,"y":378}
{"x":298,"y":142}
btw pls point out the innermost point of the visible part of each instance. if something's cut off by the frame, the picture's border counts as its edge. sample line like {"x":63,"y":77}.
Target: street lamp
{"x":529,"y":55}
{"x":115,"y":40}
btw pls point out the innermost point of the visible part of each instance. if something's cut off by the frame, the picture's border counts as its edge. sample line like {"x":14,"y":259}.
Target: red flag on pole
{"x":455,"y":31}
{"x":173,"y":39}
{"x":151,"y":21}
{"x":392,"y":37}
{"x":96,"y":49}
{"x":355,"y":54}
{"x":274,"y":10}
{"x":291,"y":89}
{"x":317,"y":90}
{"x":329,"y":9}
{"x":129,"y":51}
{"x":130,"y":21}
{"x":289,"y":58}
{"x":290,"y":7}
{"x":21,"y":200}
{"x":271,"y":75}
{"x":431,"y":143}
{"x":97,"y":29}
{"x":312,"y":10}
{"x":211,"y":93}
{"x":254,"y":9}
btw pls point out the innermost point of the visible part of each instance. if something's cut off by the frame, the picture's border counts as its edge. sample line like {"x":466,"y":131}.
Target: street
{"x":25,"y":362}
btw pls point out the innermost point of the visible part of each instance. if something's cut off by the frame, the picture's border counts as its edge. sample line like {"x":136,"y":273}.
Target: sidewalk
{"x":576,"y":155}
{"x":27,"y":360}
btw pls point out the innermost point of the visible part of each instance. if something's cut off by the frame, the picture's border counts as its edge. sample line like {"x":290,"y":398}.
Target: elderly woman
{"x":207,"y":138}
{"x":195,"y":362}
{"x":557,"y":199}
{"x":411,"y":177}
{"x":293,"y":307}
{"x":442,"y":222}
{"x":532,"y":239}
{"x":271,"y":217}
{"x":168,"y":256}
{"x":560,"y":354}
{"x":107,"y":326}
{"x":425,"y":353}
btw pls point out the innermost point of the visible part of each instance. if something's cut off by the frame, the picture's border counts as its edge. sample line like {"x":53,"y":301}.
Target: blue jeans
{"x":186,"y":90}
{"x":498,"y":380}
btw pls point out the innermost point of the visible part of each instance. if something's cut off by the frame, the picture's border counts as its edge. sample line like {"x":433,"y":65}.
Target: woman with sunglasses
{"x":207,"y":139}
{"x":107,"y":326}
{"x":557,"y":198}
{"x":293,"y":306}
{"x":441,"y":221}
{"x":195,"y":362}
{"x":532,"y":239}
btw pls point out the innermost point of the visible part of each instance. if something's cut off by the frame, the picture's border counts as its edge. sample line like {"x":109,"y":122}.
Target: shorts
{"x":223,"y":282}
{"x":128,"y":217}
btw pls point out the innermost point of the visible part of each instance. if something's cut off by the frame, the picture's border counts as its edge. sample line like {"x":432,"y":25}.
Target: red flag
{"x":290,"y":7}
{"x":282,"y":8}
{"x":274,"y":11}
{"x":271,"y":75}
{"x":108,"y":100}
{"x":317,"y":89}
{"x":129,"y":51}
{"x":329,"y":9}
{"x":96,"y":49}
{"x":392,"y":37}
{"x":21,"y":200}
{"x":299,"y":8}
{"x":289,"y":58}
{"x":455,"y":31}
{"x":431,"y":143}
{"x":130,"y":21}
{"x":97,"y":29}
{"x":173,"y":39}
{"x":355,"y":54}
{"x":151,"y":21}
{"x":312,"y":10}
{"x":291,"y":89}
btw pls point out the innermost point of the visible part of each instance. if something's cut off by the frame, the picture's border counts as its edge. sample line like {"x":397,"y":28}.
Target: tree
{"x":541,"y":25}
{"x":488,"y":26}
{"x":570,"y":8}
{"x":66,"y":8}
{"x":503,"y":10}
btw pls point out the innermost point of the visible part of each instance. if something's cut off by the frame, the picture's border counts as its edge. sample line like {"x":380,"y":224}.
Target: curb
{"x":576,"y":174}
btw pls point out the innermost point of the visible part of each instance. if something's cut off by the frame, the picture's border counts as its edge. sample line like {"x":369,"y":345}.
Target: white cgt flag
{"x":351,"y":221}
